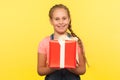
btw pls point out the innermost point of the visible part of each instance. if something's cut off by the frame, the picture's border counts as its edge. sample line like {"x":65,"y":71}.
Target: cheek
{"x":53,"y":23}
{"x":67,"y":21}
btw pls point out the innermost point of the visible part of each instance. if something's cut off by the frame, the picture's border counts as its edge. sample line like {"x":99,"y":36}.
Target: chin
{"x":62,"y":31}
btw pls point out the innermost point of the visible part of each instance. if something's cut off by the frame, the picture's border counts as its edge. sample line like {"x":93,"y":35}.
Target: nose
{"x":61,"y":21}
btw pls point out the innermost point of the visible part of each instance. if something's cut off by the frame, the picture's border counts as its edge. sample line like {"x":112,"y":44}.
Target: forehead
{"x":60,"y":11}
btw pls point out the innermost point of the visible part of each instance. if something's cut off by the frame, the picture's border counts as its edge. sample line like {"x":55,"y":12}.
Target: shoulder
{"x":43,"y":45}
{"x":45,"y":40}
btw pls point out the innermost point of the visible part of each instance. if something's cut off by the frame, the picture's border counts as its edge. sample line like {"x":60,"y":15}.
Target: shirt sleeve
{"x":42,"y":46}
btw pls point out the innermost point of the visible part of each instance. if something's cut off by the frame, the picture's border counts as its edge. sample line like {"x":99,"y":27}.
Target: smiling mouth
{"x":61,"y":26}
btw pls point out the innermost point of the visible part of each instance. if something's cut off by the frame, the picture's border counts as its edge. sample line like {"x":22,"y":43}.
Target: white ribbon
{"x":62,"y":49}
{"x":62,"y":52}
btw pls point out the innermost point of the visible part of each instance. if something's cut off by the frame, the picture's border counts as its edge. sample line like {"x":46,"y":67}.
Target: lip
{"x":61,"y":26}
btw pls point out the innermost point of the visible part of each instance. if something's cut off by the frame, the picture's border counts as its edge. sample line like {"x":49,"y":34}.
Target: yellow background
{"x":23,"y":23}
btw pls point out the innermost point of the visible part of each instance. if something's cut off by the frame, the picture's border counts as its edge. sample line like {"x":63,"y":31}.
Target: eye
{"x":64,"y":18}
{"x":56,"y":18}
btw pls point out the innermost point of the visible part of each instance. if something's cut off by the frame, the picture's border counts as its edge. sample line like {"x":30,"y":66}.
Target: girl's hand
{"x":73,"y":70}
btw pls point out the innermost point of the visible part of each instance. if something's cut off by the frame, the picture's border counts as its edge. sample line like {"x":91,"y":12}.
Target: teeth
{"x":60,"y":26}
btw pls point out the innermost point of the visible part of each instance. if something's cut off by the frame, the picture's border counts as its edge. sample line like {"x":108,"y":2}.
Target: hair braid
{"x":79,"y":42}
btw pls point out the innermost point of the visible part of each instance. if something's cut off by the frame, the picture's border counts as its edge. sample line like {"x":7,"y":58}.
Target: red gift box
{"x":62,"y":54}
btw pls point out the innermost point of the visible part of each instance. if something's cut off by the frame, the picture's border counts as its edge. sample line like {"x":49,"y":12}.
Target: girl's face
{"x":60,"y":20}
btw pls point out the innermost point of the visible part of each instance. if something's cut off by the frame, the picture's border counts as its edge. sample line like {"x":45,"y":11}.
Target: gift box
{"x":62,"y":54}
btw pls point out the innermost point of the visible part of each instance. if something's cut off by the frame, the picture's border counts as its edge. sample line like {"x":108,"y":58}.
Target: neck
{"x":57,"y":35}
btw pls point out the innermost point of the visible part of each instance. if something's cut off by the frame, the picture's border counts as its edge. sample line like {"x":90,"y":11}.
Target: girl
{"x":60,"y":19}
